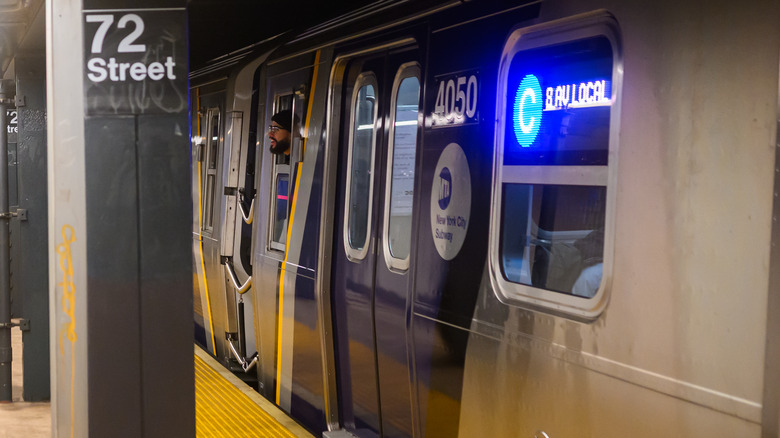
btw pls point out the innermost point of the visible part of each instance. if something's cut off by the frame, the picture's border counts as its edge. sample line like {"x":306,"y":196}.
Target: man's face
{"x":280,"y":139}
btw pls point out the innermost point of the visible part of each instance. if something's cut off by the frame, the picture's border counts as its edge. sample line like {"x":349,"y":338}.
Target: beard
{"x":280,"y":148}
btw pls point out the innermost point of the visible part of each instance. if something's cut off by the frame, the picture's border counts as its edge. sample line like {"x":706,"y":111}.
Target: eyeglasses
{"x":274,"y":128}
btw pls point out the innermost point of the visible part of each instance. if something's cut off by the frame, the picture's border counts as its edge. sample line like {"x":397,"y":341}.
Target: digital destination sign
{"x":558,"y":104}
{"x":527,"y":112}
{"x":582,"y":95}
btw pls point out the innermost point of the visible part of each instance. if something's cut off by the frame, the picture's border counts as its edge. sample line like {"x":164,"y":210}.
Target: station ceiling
{"x":17,"y":20}
{"x":216,"y":27}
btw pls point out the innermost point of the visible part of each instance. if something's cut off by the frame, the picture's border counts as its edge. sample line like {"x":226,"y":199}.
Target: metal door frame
{"x":329,"y":192}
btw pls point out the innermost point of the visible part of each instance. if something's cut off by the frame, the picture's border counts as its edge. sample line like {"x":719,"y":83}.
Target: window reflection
{"x":553,"y":236}
{"x":362,"y":155}
{"x":402,"y":183}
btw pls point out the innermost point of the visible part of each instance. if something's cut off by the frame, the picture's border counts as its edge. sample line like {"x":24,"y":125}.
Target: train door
{"x":217,"y":155}
{"x":208,"y":152}
{"x":379,"y":124}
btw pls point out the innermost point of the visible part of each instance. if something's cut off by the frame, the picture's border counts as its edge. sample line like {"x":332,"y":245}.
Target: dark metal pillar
{"x":30,"y":249}
{"x":6,"y":95}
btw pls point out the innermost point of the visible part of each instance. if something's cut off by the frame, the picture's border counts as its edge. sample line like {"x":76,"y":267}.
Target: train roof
{"x":359,"y":22}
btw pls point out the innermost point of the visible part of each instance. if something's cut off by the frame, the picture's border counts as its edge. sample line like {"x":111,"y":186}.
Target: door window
{"x":280,"y":191}
{"x":210,"y":172}
{"x":360,"y":180}
{"x":402,"y":148}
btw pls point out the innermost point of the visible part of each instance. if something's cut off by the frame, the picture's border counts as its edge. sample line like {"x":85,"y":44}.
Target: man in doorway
{"x":280,"y":133}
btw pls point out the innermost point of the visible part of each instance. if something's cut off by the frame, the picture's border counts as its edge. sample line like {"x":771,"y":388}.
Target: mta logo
{"x":445,"y":188}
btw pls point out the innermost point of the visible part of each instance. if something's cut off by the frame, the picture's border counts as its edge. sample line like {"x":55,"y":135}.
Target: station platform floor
{"x":224,"y":405}
{"x":19,"y":418}
{"x":227,"y":407}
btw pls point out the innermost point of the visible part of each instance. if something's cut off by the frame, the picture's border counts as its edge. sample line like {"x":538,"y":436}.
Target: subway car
{"x":498,"y":219}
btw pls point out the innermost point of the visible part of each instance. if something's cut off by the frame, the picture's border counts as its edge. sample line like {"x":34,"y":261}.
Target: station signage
{"x":11,"y":118}
{"x":135,"y":61}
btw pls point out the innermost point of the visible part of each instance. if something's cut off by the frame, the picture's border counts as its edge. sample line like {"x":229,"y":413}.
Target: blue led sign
{"x":528,"y":110}
{"x":558,"y":104}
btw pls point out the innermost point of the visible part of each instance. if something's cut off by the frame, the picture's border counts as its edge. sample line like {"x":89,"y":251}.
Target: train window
{"x":281,"y":187}
{"x":401,"y":157}
{"x":553,"y":204}
{"x":210,"y":172}
{"x":552,"y":235}
{"x":360,"y":160}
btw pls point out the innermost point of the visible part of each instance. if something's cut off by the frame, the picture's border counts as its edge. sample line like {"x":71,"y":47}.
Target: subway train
{"x":497,"y":218}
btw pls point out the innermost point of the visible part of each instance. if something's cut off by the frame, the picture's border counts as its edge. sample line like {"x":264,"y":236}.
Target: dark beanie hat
{"x":283,"y":119}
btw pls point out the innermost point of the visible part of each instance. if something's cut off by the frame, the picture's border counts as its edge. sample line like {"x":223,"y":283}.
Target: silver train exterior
{"x":504,"y":219}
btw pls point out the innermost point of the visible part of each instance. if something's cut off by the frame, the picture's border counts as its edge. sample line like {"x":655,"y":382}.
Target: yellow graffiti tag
{"x":68,"y":288}
{"x":69,"y":308}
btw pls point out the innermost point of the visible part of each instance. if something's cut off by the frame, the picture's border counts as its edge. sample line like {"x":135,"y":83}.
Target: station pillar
{"x":29,"y":227}
{"x":120,"y":274}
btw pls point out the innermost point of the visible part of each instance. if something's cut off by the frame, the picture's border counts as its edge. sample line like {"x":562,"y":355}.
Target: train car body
{"x":525,"y":219}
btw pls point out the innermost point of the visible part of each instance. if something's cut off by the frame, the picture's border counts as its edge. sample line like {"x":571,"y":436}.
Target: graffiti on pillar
{"x":136,"y":62}
{"x":69,"y":308}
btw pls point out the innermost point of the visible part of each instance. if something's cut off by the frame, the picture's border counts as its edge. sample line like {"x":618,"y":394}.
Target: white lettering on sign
{"x":456,"y":100}
{"x":582,"y":95}
{"x":12,"y":118}
{"x":102,"y":69}
{"x":126,"y":45}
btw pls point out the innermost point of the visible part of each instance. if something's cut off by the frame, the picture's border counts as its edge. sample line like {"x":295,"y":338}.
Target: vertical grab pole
{"x":241,"y":330}
{"x":5,"y":270}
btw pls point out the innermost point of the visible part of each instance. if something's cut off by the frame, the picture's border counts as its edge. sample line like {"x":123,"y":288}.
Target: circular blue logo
{"x":527,"y":114}
{"x":445,"y":192}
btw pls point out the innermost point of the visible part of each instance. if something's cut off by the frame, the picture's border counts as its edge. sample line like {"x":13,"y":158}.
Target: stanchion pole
{"x":5,"y":270}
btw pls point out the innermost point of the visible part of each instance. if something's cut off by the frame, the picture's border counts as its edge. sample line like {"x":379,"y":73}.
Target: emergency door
{"x":373,"y":242}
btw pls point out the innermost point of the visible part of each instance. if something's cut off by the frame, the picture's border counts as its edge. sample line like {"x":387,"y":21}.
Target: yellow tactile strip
{"x":226,"y":407}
